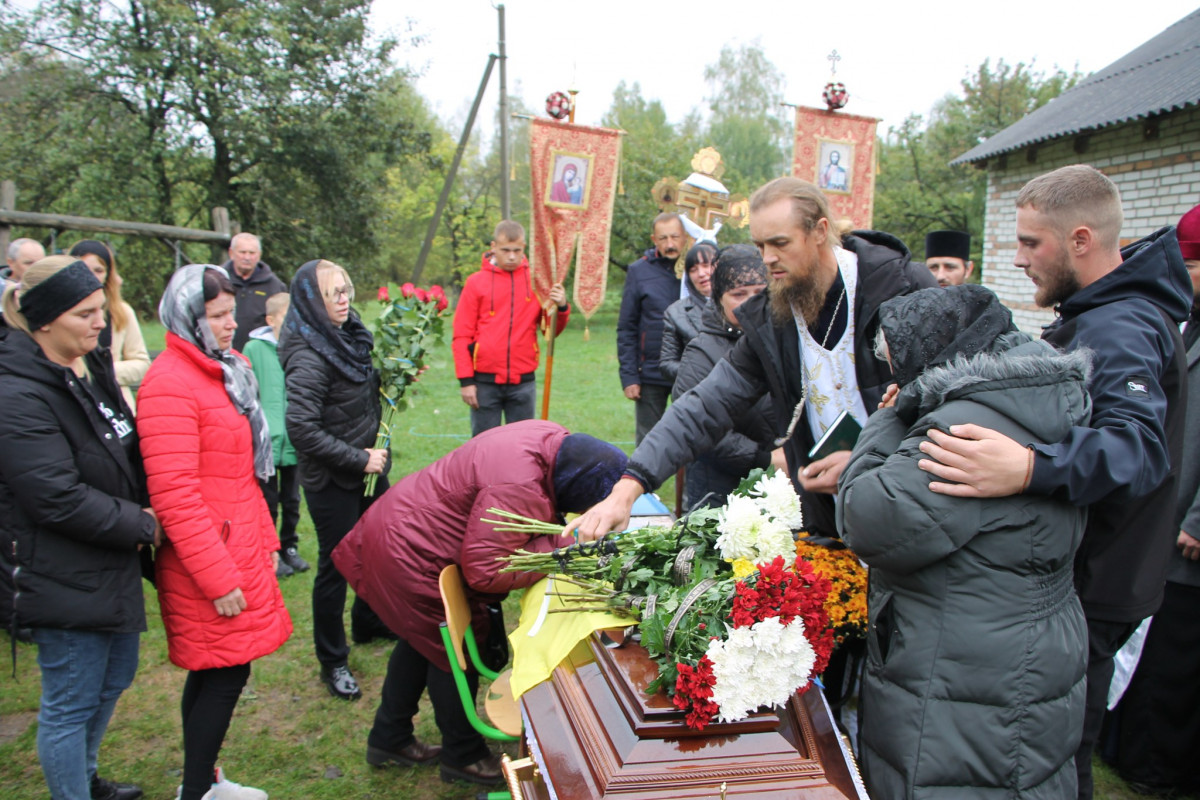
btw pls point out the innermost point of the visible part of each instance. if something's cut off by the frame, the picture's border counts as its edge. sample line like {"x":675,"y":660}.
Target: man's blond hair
{"x":1074,"y":196}
{"x":278,"y":303}
{"x":808,"y":202}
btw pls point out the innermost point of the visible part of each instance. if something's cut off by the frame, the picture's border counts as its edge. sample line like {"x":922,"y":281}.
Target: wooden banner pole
{"x":548,"y":377}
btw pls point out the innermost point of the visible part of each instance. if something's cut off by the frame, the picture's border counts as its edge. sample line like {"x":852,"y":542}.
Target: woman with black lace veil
{"x":739,"y":275}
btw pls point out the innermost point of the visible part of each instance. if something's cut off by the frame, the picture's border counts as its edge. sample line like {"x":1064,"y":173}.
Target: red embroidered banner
{"x":573,"y":169}
{"x":836,"y":151}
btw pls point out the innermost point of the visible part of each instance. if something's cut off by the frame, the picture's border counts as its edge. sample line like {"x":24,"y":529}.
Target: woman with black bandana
{"x":738,"y":276}
{"x":73,"y":500}
{"x":332,"y":419}
{"x":205,"y":442}
{"x":976,"y":645}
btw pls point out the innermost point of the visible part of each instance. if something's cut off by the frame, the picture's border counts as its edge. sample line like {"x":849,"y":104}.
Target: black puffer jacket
{"x":331,"y":420}
{"x":71,"y":498}
{"x":976,"y":645}
{"x":752,"y":439}
{"x":767,"y":360}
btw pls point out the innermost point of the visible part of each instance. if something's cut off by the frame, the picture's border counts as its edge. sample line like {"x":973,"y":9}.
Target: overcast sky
{"x":897,"y":58}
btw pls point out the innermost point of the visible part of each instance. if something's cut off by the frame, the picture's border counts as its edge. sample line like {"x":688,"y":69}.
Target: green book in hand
{"x":841,"y":435}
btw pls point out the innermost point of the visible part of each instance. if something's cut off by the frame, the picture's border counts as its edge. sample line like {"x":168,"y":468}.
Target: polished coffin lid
{"x":594,"y":733}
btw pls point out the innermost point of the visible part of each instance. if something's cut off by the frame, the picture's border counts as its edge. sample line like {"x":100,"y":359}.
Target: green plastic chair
{"x":501,"y":708}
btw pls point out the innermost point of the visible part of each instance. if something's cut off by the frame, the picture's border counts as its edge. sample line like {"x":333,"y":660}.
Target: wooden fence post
{"x":8,"y":200}
{"x":220,"y":223}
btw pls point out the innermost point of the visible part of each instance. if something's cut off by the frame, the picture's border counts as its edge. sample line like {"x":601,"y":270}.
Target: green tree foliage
{"x":917,"y":190}
{"x":653,"y":148}
{"x":746,"y":122}
{"x":284,"y":111}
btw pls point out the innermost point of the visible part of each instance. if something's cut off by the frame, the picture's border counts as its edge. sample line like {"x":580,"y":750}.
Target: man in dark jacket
{"x":1158,"y":721}
{"x":1124,"y":305}
{"x":650,"y":287}
{"x":253,"y":281}
{"x":823,"y":300}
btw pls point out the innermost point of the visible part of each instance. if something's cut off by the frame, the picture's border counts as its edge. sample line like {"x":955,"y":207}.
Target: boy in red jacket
{"x":496,"y":332}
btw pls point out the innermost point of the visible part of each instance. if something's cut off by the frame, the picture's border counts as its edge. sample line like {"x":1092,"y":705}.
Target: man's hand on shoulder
{"x":973,"y":461}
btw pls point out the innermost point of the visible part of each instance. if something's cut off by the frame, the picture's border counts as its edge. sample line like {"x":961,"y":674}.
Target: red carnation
{"x":421,"y":295}
{"x":383,"y":294}
{"x":408,"y":290}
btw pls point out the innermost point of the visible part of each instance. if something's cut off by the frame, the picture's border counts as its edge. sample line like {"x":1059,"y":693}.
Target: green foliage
{"x":747,"y":125}
{"x":652,"y":149}
{"x":917,"y":190}
{"x":287,"y":113}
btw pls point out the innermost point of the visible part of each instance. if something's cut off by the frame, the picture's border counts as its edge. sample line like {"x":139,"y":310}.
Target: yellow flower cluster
{"x":743,"y":567}
{"x":847,"y":602}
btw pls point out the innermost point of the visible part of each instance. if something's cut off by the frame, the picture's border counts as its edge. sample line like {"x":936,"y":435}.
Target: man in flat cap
{"x":948,"y":254}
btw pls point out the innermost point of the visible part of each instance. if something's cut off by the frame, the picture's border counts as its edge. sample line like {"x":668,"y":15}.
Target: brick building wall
{"x":1159,"y":179}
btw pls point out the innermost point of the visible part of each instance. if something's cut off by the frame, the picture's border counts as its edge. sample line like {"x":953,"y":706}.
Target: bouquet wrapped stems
{"x":383,"y":440}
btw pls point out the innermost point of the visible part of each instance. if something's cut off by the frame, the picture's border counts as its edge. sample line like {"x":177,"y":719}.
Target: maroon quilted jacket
{"x":393,"y":556}
{"x":200,"y":471}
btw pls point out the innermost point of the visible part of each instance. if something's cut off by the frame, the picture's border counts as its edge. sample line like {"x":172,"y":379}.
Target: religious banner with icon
{"x":836,"y":151}
{"x":573,"y":169}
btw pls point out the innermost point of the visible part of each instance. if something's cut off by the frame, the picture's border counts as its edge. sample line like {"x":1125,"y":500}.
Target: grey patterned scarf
{"x":182,"y":313}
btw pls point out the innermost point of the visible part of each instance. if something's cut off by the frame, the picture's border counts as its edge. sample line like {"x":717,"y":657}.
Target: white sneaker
{"x":228,"y":790}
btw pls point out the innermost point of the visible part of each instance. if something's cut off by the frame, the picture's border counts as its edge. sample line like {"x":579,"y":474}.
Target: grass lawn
{"x":289,"y":737}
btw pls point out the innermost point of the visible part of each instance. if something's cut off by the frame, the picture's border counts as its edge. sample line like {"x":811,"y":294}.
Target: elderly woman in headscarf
{"x":976,"y":646}
{"x":332,"y":420}
{"x":738,"y":276}
{"x":682,"y":319}
{"x":433,"y":518}
{"x":75,"y":515}
{"x":206,"y":445}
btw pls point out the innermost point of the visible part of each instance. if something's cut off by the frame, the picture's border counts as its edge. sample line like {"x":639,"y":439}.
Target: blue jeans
{"x":83,"y":674}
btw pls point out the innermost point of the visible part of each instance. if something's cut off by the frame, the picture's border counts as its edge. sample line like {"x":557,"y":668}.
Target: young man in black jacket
{"x":1124,"y":305}
{"x":821,"y":307}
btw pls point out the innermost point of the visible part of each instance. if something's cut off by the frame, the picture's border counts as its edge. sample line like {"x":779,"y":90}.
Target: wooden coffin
{"x":593,"y":732}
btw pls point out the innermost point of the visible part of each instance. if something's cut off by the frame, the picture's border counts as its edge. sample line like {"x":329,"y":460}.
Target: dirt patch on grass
{"x":14,"y":725}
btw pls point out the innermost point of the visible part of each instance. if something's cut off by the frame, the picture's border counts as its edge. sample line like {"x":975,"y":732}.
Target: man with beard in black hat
{"x":948,"y":256}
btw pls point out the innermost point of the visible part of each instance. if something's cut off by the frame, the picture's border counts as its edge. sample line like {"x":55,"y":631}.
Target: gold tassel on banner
{"x":587,"y":332}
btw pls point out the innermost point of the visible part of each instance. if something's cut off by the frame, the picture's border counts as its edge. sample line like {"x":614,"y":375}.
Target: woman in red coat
{"x":205,"y":443}
{"x":431,"y":519}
